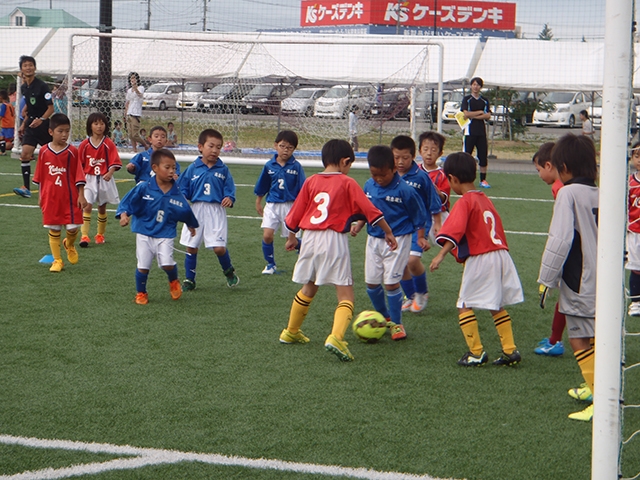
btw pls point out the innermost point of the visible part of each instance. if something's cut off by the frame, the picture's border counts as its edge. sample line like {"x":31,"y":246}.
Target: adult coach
{"x":34,"y":130}
{"x":133,"y":110}
{"x":476,"y":108}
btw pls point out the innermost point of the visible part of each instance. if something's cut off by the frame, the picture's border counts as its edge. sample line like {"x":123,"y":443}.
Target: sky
{"x":568,"y":19}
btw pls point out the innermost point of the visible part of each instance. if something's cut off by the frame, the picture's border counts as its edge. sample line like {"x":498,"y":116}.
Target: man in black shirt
{"x":476,"y":108}
{"x":36,"y":112}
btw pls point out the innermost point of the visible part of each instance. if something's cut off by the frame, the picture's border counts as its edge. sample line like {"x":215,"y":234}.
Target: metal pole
{"x":204,"y":16}
{"x":148,"y":25}
{"x":104,"y":55}
{"x":616,"y":94}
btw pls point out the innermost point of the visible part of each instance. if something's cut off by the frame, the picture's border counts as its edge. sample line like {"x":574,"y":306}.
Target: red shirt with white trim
{"x":440,"y":181}
{"x":634,"y":204}
{"x":97,"y":159}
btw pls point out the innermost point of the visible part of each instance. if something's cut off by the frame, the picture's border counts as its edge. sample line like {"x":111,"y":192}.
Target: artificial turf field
{"x":206,"y":374}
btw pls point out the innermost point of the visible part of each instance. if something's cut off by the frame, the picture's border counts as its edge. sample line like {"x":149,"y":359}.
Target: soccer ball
{"x":369,"y":326}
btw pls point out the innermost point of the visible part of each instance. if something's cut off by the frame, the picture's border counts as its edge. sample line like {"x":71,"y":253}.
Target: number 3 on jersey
{"x":322,"y":200}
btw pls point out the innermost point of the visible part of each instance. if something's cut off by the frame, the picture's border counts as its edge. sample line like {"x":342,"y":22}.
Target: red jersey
{"x":441,"y":182}
{"x":96,"y":160}
{"x":473,"y":226}
{"x":8,"y":116}
{"x":634,"y":204}
{"x":59,"y":174}
{"x":557,"y":185}
{"x":330,"y":201}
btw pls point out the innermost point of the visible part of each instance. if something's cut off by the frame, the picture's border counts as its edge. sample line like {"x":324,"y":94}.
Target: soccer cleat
{"x":398,"y":332}
{"x":584,"y":415}
{"x":142,"y":298}
{"x":269,"y":269}
{"x":99,"y":238}
{"x":72,"y":253}
{"x":582,"y":393}
{"x":85,"y":241}
{"x":485,"y":184}
{"x":471,"y":360}
{"x":23,"y":192}
{"x":508,"y":358}
{"x":232,"y":278}
{"x":56,"y":266}
{"x":175,"y":289}
{"x":287,"y":337}
{"x":188,"y":285}
{"x":419,"y":302}
{"x":549,"y":349}
{"x":338,"y":348}
{"x":634,"y":309}
{"x":406,"y":304}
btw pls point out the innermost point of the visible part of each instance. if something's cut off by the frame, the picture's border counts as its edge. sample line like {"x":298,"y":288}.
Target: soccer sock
{"x":190,"y":262}
{"x":395,"y":305}
{"x":299,"y":310}
{"x":26,"y":174}
{"x":102,"y":223}
{"x":502,"y":321}
{"x":469,"y":326}
{"x":141,"y":281}
{"x":557,"y":327}
{"x":634,"y":286}
{"x":71,"y":237}
{"x":408,"y":286}
{"x":378,"y":300}
{"x":420,"y":282}
{"x":3,"y":146}
{"x":342,"y":318}
{"x":54,"y":243}
{"x":586,"y":361}
{"x":225,"y":260}
{"x":86,"y":224}
{"x":267,"y":251}
{"x":483,"y":176}
{"x":173,"y":273}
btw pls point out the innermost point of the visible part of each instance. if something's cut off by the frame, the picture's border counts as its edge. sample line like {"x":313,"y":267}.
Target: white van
{"x":161,"y":95}
{"x":565,"y":109}
{"x":340,"y":100}
{"x":302,"y":101}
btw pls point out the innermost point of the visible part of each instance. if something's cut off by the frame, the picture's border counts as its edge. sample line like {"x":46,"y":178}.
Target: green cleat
{"x":582,"y":393}
{"x":584,"y":415}
{"x":232,"y":278}
{"x":287,"y":337}
{"x":339,"y":348}
{"x":188,"y":285}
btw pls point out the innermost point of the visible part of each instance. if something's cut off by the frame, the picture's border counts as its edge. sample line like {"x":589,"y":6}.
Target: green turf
{"x":81,"y":361}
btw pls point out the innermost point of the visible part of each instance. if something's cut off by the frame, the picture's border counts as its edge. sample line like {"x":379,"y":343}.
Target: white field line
{"x":152,"y":456}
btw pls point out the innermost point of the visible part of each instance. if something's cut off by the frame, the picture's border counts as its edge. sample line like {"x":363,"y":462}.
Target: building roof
{"x":45,"y":18}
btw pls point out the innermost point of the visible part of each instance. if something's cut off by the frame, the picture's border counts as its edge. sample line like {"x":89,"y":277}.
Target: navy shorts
{"x":36,"y":136}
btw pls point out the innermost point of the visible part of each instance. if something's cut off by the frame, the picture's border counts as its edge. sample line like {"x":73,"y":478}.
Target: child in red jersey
{"x":325,"y":208}
{"x":633,"y":233}
{"x":431,"y":147}
{"x":474,"y":234}
{"x":100,"y":160}
{"x":61,"y":179}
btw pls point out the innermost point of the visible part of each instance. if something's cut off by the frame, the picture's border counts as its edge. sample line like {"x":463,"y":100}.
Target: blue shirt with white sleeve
{"x":201,"y":183}
{"x":421,"y":182}
{"x":142,"y":161}
{"x":280,"y":183}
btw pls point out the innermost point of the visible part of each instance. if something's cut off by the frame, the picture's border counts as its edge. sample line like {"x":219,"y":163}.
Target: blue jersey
{"x":201,"y":183}
{"x":400,"y":204}
{"x":155,"y":213}
{"x":280,"y":183}
{"x":420,"y":180}
{"x":142,"y":161}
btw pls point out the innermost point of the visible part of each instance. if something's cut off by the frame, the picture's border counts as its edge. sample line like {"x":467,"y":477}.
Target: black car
{"x":224,"y":98}
{"x":266,"y":98}
{"x":388,"y":105}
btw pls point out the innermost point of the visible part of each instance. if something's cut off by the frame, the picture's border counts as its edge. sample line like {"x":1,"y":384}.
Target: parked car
{"x":427,"y":104}
{"x":189,"y":97}
{"x":302,"y":101}
{"x":340,"y":100}
{"x":522,"y":106}
{"x":452,"y":106}
{"x":266,"y":98}
{"x":389,"y":104}
{"x":563,"y":109}
{"x":596,"y":112}
{"x":161,"y":95}
{"x":225,"y":98}
{"x":90,"y":95}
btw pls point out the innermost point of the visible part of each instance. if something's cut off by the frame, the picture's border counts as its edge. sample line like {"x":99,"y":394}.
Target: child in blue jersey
{"x":140,"y":164}
{"x":281,"y":180}
{"x":404,"y":211}
{"x":414,"y":281}
{"x":208,"y":185}
{"x":156,"y":206}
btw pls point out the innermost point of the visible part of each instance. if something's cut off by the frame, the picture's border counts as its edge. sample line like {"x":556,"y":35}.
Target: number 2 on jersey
{"x":491,"y":220}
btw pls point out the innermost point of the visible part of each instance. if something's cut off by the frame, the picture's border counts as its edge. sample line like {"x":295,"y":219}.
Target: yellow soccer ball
{"x":369,"y":326}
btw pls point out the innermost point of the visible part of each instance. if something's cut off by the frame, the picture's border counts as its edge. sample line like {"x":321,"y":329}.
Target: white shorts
{"x":148,"y":248}
{"x":324,"y":259}
{"x":98,"y":191}
{"x":274,"y":215}
{"x":432,"y":235}
{"x":383,"y":265}
{"x":71,"y":226}
{"x":489,"y":282}
{"x":633,"y":251}
{"x":212,"y":218}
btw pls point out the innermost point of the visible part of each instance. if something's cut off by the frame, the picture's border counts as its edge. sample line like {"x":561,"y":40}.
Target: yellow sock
{"x":54,"y":243}
{"x":102,"y":223}
{"x":469,"y":325}
{"x":86,"y":224}
{"x":71,"y":237}
{"x":586,"y":361}
{"x":299,"y":310}
{"x":342,"y":318}
{"x":502,"y":321}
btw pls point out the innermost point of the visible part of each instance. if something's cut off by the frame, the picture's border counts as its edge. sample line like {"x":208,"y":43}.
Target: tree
{"x":546,"y":33}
